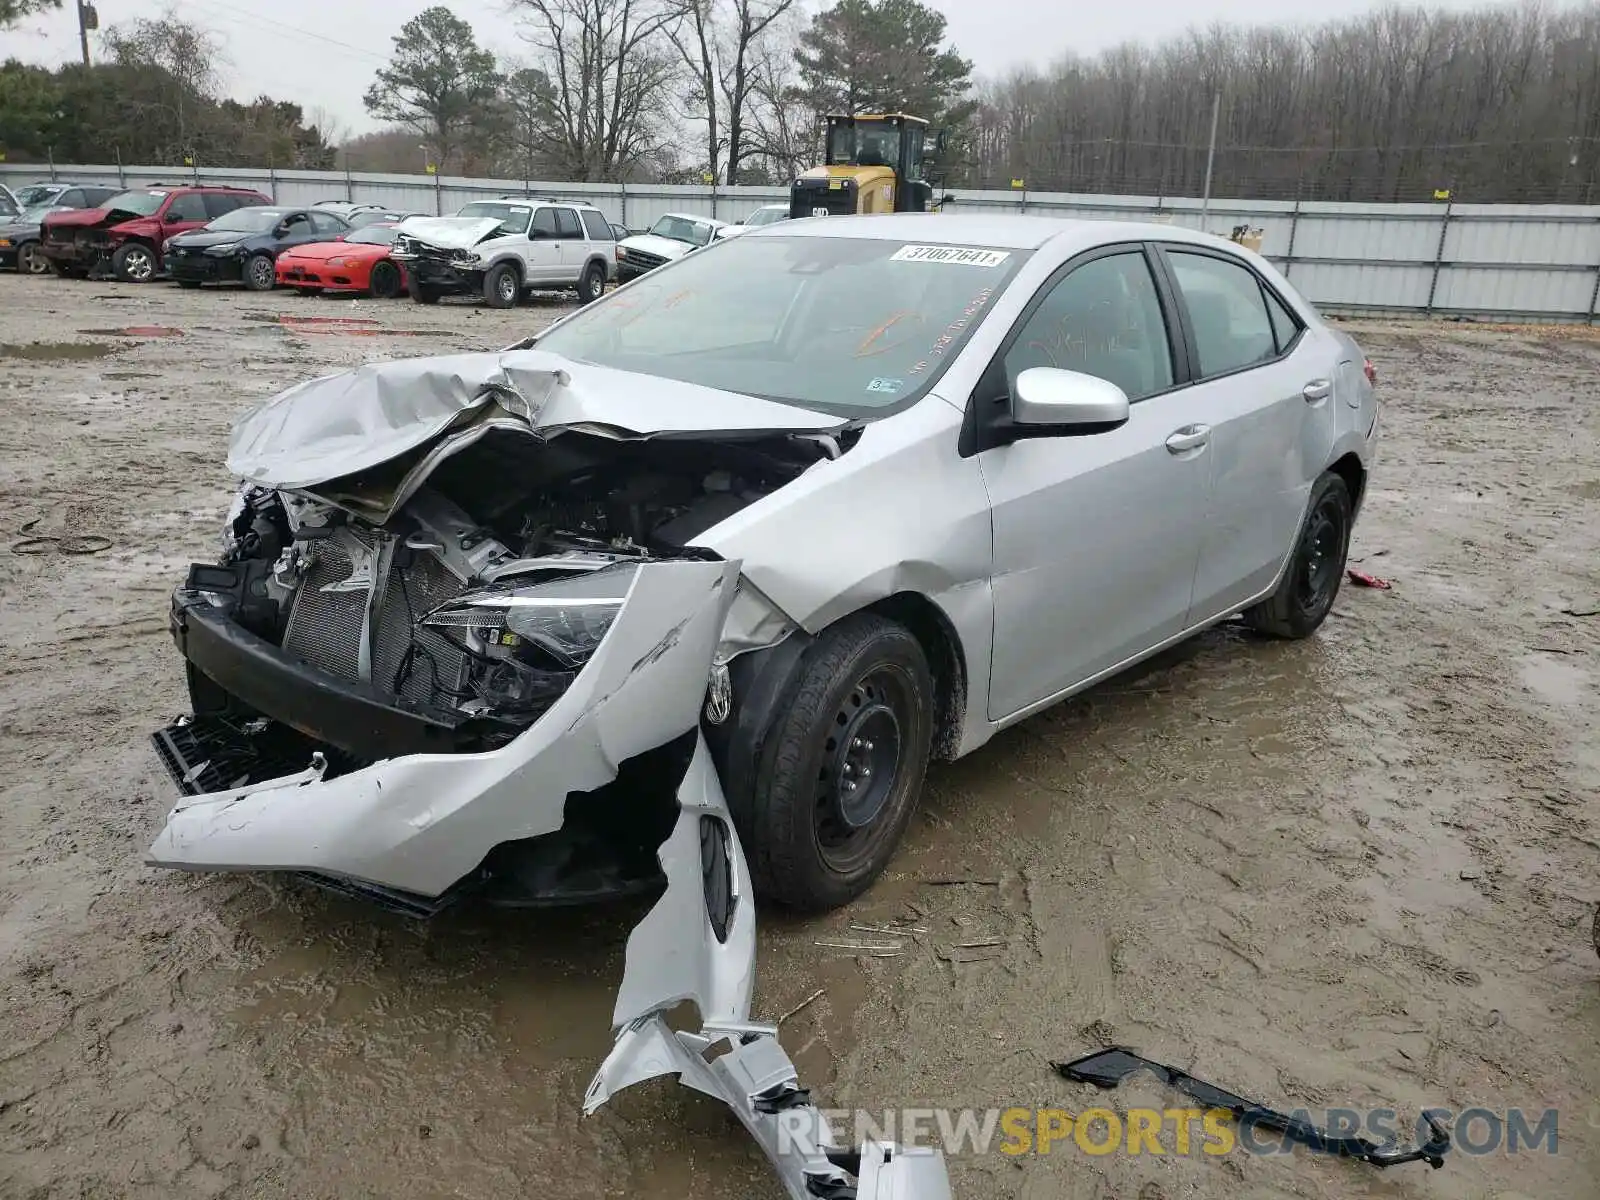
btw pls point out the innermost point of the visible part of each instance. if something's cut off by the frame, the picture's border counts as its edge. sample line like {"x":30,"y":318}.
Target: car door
{"x":185,"y":211}
{"x":573,"y":243}
{"x":543,"y":252}
{"x":1096,"y":537}
{"x":1264,"y":391}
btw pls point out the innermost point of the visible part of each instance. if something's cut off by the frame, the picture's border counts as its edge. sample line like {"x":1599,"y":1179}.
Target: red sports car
{"x":357,"y":262}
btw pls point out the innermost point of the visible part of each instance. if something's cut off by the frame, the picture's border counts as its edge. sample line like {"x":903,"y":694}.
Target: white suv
{"x":502,"y":249}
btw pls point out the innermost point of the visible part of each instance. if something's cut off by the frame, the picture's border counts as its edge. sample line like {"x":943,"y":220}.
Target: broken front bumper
{"x":421,"y":822}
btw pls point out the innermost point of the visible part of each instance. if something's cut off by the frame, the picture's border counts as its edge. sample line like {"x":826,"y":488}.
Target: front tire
{"x":502,"y":286}
{"x":1309,"y":587}
{"x":423,"y":294}
{"x":31,"y":260}
{"x":134,"y":262}
{"x":260,"y":273}
{"x":842,"y":767}
{"x":384,"y":281}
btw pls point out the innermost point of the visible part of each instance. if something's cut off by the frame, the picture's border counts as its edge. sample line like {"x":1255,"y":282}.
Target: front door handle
{"x":1190,"y":437}
{"x":1317,"y":391}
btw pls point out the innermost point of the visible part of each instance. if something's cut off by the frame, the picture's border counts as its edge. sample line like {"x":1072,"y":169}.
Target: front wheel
{"x":842,"y":767}
{"x":260,"y":273}
{"x":502,"y":287}
{"x":31,"y":260}
{"x":423,"y":294}
{"x":134,"y":262}
{"x":1309,"y":587}
{"x":593,"y":284}
{"x":384,"y":282}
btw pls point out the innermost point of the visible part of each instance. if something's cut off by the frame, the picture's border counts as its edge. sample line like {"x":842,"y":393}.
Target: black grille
{"x":216,"y":753}
{"x":815,"y":194}
{"x":641,"y":258}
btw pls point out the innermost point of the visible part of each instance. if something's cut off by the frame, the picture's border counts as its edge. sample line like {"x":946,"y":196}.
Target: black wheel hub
{"x":860,"y":766}
{"x":1318,"y":573}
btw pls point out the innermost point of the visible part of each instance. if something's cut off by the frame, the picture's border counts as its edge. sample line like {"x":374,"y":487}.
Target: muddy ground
{"x":1357,"y":870}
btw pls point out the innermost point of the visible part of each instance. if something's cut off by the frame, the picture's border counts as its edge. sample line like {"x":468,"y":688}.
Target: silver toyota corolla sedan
{"x":685,"y":592}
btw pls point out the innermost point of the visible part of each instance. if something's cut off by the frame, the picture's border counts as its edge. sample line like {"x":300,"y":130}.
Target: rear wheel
{"x":1309,"y":587}
{"x":502,"y":286}
{"x":593,"y":284}
{"x":134,"y":262}
{"x":31,"y":260}
{"x":842,"y":767}
{"x":423,"y":294}
{"x":384,"y":283}
{"x":260,"y":273}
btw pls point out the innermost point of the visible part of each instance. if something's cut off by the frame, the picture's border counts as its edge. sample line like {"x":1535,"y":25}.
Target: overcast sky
{"x":322,"y":53}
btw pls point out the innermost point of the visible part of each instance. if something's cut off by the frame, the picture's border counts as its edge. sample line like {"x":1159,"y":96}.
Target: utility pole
{"x":1211,"y":154}
{"x":88,"y":19}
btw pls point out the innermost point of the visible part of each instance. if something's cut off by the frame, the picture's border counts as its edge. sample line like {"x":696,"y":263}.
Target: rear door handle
{"x":1190,"y":437}
{"x":1317,"y":391}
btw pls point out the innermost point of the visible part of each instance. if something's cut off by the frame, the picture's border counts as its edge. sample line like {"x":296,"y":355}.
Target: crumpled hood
{"x":449,"y":233}
{"x":339,"y":425}
{"x":652,"y":243}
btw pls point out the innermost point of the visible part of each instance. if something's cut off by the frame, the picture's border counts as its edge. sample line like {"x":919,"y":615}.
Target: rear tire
{"x":502,"y":286}
{"x":1309,"y":587}
{"x":842,"y":767}
{"x":423,"y":294}
{"x":384,"y":282}
{"x":593,"y":284}
{"x":260,"y":273}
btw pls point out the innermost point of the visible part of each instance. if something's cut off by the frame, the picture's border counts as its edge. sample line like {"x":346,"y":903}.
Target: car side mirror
{"x":1051,"y":402}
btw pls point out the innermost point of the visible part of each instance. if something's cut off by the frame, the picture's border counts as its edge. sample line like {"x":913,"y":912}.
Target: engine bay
{"x":489,"y":587}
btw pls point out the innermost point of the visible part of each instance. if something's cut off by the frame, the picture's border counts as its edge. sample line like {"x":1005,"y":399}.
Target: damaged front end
{"x":459,"y":643}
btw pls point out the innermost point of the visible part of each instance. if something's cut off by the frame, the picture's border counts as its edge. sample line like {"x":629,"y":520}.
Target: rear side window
{"x":567,"y":223}
{"x":187,"y":206}
{"x":218,"y":203}
{"x":1232,"y":329}
{"x":72,"y":198}
{"x":595,"y":224}
{"x":1285,"y":326}
{"x":326,"y":223}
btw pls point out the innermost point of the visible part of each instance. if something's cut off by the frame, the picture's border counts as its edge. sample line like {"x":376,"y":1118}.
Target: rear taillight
{"x":1371,"y":371}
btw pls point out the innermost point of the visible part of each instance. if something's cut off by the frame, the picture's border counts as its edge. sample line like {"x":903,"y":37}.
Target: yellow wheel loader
{"x":874,"y":164}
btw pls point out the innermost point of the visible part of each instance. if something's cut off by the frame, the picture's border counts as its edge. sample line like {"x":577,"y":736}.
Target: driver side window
{"x":1103,"y":319}
{"x":544,"y":223}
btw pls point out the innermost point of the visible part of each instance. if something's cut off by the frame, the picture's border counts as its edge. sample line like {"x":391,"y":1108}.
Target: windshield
{"x":513,"y":218}
{"x":682,"y":229}
{"x":840,"y":325}
{"x":39,"y":194}
{"x":864,"y":144}
{"x":372,"y":235}
{"x":140,"y":204}
{"x":357,"y":220}
{"x":247,"y":220}
{"x":766,"y":216}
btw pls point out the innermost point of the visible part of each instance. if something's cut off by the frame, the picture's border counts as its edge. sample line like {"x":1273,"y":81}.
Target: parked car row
{"x":498,"y":249}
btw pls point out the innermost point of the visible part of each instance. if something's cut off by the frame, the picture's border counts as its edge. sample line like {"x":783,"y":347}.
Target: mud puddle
{"x":58,"y":351}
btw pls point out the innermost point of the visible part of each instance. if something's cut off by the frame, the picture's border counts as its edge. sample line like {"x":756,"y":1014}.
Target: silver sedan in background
{"x":690,"y":587}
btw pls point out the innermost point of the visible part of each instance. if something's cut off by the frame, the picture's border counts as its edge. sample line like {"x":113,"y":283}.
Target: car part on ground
{"x":671,"y":237}
{"x":85,"y":242}
{"x":1108,"y":1068}
{"x":502,"y":249}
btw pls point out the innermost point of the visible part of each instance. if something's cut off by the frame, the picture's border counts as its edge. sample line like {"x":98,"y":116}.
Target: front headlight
{"x":621,"y":253}
{"x":336,"y":262}
{"x":225,"y":248}
{"x":564,"y":619}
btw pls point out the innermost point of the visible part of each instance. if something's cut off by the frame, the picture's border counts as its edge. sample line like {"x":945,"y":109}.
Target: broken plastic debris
{"x":1367,"y":580}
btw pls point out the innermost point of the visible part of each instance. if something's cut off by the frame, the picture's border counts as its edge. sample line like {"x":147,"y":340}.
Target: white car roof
{"x":695,"y":217}
{"x":1006,"y":230}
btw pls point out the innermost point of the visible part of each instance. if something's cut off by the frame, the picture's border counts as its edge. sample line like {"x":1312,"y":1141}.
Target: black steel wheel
{"x":842,"y":766}
{"x":1309,"y":587}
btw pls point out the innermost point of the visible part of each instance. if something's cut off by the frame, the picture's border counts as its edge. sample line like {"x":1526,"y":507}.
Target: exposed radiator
{"x":325,"y":627}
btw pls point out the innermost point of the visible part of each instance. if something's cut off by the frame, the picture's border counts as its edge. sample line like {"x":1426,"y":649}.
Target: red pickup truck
{"x":127,"y":232}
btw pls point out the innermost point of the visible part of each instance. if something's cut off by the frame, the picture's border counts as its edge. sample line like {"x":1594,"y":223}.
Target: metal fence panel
{"x":1506,"y":261}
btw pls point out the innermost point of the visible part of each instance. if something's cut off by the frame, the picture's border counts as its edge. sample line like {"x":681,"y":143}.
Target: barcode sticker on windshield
{"x":961,"y":256}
